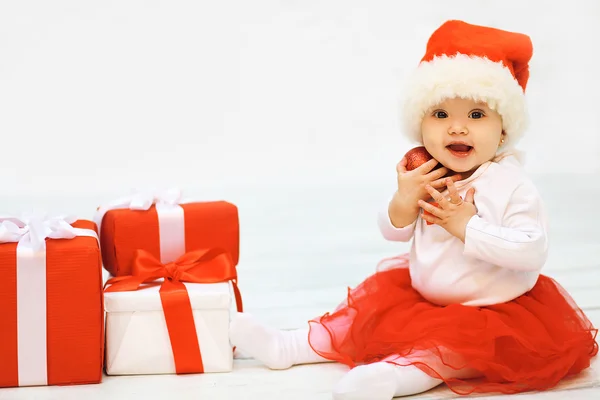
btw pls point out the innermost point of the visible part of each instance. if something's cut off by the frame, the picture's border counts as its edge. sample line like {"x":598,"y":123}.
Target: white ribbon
{"x":31,"y":233}
{"x":171,"y":221}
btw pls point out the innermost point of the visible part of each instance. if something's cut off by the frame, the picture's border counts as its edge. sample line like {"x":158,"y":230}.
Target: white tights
{"x":281,"y":349}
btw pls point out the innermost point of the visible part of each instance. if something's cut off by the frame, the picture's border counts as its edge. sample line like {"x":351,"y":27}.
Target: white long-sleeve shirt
{"x":505,"y":247}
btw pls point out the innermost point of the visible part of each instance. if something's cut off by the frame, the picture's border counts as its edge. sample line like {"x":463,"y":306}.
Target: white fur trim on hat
{"x":464,"y":76}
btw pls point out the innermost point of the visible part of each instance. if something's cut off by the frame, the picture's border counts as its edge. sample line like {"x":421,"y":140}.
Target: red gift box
{"x":51,"y":304}
{"x":166,"y":230}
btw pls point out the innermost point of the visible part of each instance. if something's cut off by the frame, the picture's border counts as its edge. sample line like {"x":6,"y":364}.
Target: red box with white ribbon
{"x":51,"y":302}
{"x":166,"y":227}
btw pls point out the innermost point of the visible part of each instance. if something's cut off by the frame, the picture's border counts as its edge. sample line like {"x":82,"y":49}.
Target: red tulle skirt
{"x":529,"y":343}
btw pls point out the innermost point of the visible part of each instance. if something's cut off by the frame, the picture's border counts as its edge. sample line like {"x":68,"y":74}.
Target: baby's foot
{"x":382,"y":381}
{"x":276,"y":349}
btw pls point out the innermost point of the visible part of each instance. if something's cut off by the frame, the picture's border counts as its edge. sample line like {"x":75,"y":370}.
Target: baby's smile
{"x":459,"y":149}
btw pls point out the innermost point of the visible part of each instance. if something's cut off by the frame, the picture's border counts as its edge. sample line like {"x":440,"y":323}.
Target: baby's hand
{"x":411,"y":184}
{"x":451,"y":214}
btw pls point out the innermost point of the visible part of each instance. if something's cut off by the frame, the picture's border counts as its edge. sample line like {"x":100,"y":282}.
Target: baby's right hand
{"x":411,"y":184}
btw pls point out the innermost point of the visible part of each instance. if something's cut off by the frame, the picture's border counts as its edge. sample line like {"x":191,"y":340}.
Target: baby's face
{"x":462,"y":134}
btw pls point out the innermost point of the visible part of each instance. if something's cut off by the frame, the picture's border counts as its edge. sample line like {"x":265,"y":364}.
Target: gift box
{"x":171,"y":318}
{"x":51,"y":308}
{"x":165,"y":226}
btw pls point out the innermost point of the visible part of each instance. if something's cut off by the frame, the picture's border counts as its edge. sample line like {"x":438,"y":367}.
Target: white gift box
{"x":137,"y":339}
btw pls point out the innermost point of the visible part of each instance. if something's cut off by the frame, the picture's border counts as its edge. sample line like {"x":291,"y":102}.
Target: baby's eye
{"x":477,"y":114}
{"x":440,"y":114}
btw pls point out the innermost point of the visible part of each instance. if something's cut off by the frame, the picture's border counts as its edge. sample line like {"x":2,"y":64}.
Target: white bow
{"x":144,"y":200}
{"x":141,"y":201}
{"x":34,"y":230}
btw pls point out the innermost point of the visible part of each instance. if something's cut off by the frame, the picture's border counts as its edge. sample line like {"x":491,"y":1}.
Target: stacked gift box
{"x":165,"y":308}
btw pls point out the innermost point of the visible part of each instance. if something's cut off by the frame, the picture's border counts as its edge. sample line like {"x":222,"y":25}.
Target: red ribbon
{"x":199,"y":266}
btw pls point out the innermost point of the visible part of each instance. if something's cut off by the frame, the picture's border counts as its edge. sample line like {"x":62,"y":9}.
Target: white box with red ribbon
{"x":138,"y":339}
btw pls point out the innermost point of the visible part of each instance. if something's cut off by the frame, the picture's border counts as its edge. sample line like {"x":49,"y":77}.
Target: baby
{"x":468,"y":306}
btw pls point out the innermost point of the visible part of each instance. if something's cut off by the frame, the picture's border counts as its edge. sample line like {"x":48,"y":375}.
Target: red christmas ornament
{"x":433,"y":203}
{"x":416,"y":157}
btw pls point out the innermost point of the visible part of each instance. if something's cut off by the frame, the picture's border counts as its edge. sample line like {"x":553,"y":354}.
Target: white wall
{"x":101,"y":97}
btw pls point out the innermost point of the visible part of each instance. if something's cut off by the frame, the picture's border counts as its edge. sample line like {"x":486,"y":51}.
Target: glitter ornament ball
{"x":416,"y":157}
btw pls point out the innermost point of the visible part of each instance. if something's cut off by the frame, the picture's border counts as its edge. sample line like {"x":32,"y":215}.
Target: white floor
{"x":302,"y":247}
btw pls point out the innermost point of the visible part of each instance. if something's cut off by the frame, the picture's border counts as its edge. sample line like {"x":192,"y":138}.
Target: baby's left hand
{"x":452,"y":214}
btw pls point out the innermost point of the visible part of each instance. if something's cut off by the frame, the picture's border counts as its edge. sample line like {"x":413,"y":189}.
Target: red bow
{"x":199,"y":266}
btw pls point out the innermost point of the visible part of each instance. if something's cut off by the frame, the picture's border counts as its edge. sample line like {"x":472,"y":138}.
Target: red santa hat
{"x":476,"y":62}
